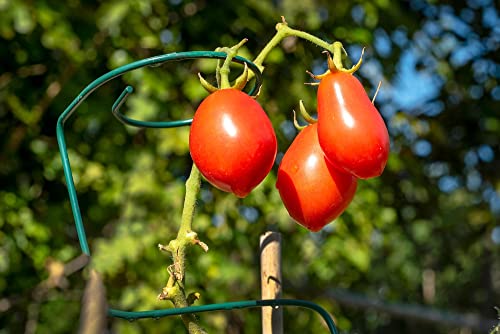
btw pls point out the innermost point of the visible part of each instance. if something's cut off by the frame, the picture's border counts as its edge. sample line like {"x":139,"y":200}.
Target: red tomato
{"x":312,"y":190}
{"x":232,"y":141}
{"x":351,"y":131}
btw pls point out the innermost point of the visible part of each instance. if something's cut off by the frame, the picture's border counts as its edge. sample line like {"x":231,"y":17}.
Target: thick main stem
{"x":190,"y":321}
{"x":174,"y":290}
{"x":192,"y":190}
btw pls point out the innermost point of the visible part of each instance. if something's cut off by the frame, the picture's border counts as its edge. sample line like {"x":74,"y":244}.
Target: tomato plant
{"x":232,"y":141}
{"x":351,"y":131}
{"x":313,"y":191}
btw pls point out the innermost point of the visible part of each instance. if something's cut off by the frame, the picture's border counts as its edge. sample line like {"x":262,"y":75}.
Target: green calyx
{"x":335,"y":62}
{"x":307,"y":117}
{"x":222,"y":71}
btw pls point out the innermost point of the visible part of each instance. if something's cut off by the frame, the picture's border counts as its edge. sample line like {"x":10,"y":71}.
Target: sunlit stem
{"x":225,"y":69}
{"x":336,"y":49}
{"x":174,"y":289}
{"x":193,"y":184}
{"x":217,"y":69}
{"x":335,"y":63}
{"x":190,"y":321}
{"x":185,"y":235}
{"x":283,"y":31}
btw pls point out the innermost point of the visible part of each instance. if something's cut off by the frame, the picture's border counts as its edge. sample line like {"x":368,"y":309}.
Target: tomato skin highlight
{"x":351,"y":131}
{"x":232,"y":141}
{"x":313,"y":191}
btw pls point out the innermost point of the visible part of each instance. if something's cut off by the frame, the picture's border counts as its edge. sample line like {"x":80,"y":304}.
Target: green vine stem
{"x":334,"y":50}
{"x":224,"y":70}
{"x":174,"y":289}
{"x":283,"y":31}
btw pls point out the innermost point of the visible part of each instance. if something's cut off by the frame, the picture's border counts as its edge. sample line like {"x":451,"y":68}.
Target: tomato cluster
{"x":233,"y":144}
{"x":317,"y":178}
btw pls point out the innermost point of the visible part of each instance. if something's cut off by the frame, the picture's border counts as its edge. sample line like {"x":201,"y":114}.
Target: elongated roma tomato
{"x":232,"y":141}
{"x":312,"y":190}
{"x":351,"y":131}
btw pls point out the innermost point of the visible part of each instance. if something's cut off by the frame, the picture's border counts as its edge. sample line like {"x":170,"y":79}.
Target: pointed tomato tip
{"x":315,"y":229}
{"x":241,"y":195}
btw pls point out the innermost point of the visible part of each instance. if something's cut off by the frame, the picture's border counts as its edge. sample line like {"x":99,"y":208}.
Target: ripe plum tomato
{"x":232,"y":141}
{"x":312,"y":190}
{"x":351,"y":131}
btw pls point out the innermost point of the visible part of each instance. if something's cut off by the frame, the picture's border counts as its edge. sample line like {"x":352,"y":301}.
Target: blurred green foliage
{"x":435,"y":209}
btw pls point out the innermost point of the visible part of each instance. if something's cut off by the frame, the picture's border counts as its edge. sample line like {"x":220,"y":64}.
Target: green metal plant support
{"x":115,"y":109}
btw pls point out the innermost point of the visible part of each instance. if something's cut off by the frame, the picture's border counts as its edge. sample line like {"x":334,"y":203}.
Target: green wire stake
{"x":115,"y":109}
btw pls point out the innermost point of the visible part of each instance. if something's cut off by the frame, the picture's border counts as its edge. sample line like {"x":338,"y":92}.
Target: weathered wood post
{"x":270,"y":278}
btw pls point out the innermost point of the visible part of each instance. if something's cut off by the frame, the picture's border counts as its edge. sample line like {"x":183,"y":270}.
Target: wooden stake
{"x":93,"y":316}
{"x":270,"y":278}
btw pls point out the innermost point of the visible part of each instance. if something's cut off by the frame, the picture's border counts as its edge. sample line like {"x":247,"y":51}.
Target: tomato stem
{"x":335,"y":63}
{"x":217,"y":70}
{"x":283,"y":31}
{"x":192,"y":189}
{"x":335,"y":49}
{"x":224,"y":70}
{"x":174,"y":289}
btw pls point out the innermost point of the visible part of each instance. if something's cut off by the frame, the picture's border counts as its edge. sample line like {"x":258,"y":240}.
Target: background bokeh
{"x":418,"y":250}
